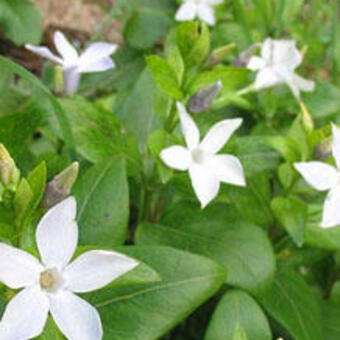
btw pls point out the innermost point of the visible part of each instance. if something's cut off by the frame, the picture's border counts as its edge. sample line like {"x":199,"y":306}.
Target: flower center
{"x":198,"y":155}
{"x":50,"y":280}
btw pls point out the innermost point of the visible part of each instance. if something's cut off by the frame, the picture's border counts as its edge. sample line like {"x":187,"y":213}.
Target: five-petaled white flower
{"x":276,"y":66}
{"x":206,"y":169}
{"x":203,"y":9}
{"x":95,"y":58}
{"x":322,"y":177}
{"x":49,"y":285}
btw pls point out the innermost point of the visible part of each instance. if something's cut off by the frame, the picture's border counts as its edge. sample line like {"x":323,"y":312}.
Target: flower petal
{"x":95,"y":52}
{"x":219,"y":134}
{"x":256,"y":63}
{"x":176,"y":157}
{"x":75,"y":317}
{"x":186,"y":11}
{"x":285,"y":54}
{"x":100,"y":65}
{"x":267,"y":49}
{"x":204,"y":182}
{"x":206,"y":14}
{"x":336,"y":145}
{"x":267,"y":78}
{"x":304,"y":84}
{"x":213,"y":2}
{"x":95,"y":269}
{"x":57,"y":234}
{"x":320,"y":176}
{"x":17,"y":268}
{"x":65,"y":49}
{"x":189,"y":127}
{"x":331,"y":209}
{"x":227,"y":169}
{"x":25,"y":315}
{"x":44,"y":52}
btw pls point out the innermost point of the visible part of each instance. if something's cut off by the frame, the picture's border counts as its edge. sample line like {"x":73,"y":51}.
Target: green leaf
{"x":21,"y":21}
{"x":58,"y":110}
{"x":148,"y":311}
{"x":330,"y":320}
{"x":292,"y":304}
{"x":238,"y":312}
{"x":164,"y":76}
{"x":103,"y":204}
{"x":22,"y":200}
{"x":292,"y":213}
{"x":216,"y":232}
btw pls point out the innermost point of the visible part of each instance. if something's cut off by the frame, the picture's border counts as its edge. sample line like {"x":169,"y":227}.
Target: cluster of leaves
{"x":255,"y":260}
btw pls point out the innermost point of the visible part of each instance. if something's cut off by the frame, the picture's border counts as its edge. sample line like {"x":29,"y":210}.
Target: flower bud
{"x":60,"y":186}
{"x":323,"y":149}
{"x":219,"y":54}
{"x":244,"y":57}
{"x":202,"y":100}
{"x":9,"y":173}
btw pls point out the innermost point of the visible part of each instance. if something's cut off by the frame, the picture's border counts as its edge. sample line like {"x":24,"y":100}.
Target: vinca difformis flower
{"x":95,"y":58}
{"x":49,"y":285}
{"x":322,"y":177}
{"x":277,"y":64}
{"x":202,"y":9}
{"x":206,"y":168}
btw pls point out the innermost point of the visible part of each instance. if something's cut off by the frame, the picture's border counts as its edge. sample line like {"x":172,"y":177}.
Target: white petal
{"x":17,"y":268}
{"x":189,"y":127}
{"x":304,"y":84}
{"x":256,"y":63}
{"x":206,"y":14}
{"x":95,"y":52}
{"x":213,"y":2}
{"x":100,"y":65}
{"x":95,"y":269}
{"x":227,"y":169}
{"x":219,"y":134}
{"x":320,"y":176}
{"x":71,"y":80}
{"x":286,"y":54}
{"x":44,"y":52}
{"x":267,"y":78}
{"x":336,"y":145}
{"x":331,"y":209}
{"x":204,"y":182}
{"x":75,"y":317}
{"x":176,"y":157}
{"x":65,"y":49}
{"x":187,"y":11}
{"x":25,"y":315}
{"x":267,"y":49}
{"x":57,"y":234}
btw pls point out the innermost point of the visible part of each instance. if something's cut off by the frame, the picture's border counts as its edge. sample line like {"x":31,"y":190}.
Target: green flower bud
{"x":9,"y":173}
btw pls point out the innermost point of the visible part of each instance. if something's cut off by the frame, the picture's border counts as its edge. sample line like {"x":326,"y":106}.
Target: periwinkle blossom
{"x":206,"y":168}
{"x":202,"y":9}
{"x":277,"y":64}
{"x":95,"y":58}
{"x":325,"y":177}
{"x":49,"y":285}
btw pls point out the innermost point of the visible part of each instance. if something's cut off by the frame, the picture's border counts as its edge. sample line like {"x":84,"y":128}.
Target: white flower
{"x":206,"y":169}
{"x":322,"y":177}
{"x":95,"y":58}
{"x":203,"y":9}
{"x":49,"y":285}
{"x":277,"y":64}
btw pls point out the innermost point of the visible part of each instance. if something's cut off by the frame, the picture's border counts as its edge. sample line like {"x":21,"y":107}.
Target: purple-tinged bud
{"x":244,"y":57}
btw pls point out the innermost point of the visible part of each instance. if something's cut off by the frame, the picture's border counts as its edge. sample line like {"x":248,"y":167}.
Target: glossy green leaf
{"x":238,"y":310}
{"x":219,"y":233}
{"x":103,"y":204}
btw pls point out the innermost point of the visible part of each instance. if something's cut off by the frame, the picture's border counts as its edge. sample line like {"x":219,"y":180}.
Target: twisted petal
{"x":297,"y":84}
{"x":336,"y":145}
{"x":187,"y":11}
{"x":319,"y":175}
{"x":219,"y":134}
{"x":17,"y":268}
{"x":95,"y":269}
{"x":44,"y":52}
{"x":189,"y":127}
{"x":65,"y":49}
{"x":267,"y":78}
{"x":286,"y":54}
{"x":25,"y":315}
{"x":176,"y":157}
{"x":331,"y":209}
{"x":75,"y":317}
{"x":57,"y":234}
{"x":204,"y":182}
{"x":206,"y":14}
{"x":256,"y":63}
{"x":227,"y":169}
